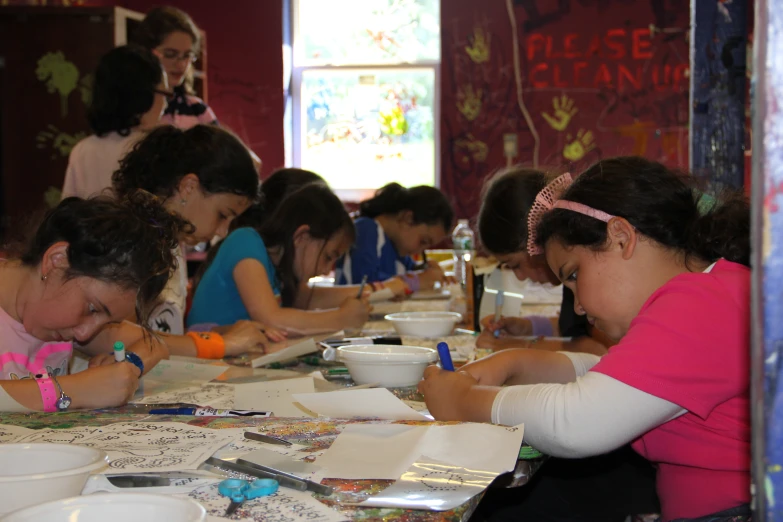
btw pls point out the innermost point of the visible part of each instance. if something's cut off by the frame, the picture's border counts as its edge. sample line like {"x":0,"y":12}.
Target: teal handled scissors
{"x":239,"y":490}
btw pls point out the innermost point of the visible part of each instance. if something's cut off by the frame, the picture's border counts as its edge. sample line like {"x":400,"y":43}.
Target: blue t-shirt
{"x":373,"y":254}
{"x":217,"y":298}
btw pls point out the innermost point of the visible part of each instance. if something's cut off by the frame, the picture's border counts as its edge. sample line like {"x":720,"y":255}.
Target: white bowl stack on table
{"x":34,"y":473}
{"x":112,"y":507}
{"x":390,"y":366}
{"x":430,"y":325}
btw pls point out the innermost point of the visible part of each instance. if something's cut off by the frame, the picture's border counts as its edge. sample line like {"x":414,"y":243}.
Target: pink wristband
{"x":48,"y":394}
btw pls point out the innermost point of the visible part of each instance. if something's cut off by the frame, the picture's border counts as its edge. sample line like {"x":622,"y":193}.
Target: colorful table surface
{"x":316,"y":434}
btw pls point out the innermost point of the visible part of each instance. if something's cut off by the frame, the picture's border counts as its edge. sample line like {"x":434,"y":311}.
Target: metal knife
{"x":138,"y":481}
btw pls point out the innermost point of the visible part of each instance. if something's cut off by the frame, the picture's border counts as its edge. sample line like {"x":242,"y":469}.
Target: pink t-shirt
{"x":22,"y":355}
{"x":690,"y":345}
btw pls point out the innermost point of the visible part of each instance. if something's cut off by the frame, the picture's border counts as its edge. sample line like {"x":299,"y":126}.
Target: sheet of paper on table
{"x":274,"y":396}
{"x":170,"y":375}
{"x":377,"y":403}
{"x":292,"y":350}
{"x":387,"y":451}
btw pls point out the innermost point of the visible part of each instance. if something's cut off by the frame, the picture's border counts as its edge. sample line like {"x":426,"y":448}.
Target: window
{"x":365,"y":92}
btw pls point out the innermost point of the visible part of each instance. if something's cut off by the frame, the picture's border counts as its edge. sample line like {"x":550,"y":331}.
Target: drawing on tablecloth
{"x":215,"y":395}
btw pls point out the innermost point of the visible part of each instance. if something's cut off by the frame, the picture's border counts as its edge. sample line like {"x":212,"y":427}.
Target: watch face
{"x":63,"y":403}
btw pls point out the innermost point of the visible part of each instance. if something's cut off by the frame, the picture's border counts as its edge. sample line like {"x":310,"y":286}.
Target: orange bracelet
{"x":209,"y":345}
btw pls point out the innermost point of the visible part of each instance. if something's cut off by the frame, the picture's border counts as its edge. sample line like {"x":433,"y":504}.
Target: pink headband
{"x":548,"y":199}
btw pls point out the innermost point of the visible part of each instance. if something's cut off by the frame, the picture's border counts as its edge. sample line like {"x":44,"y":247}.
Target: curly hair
{"x":124,"y":89}
{"x":660,"y":203}
{"x":161,"y":22}
{"x":159,"y":162}
{"x":127,"y":242}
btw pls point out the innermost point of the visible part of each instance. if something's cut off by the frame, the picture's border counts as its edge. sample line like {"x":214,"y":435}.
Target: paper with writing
{"x":377,"y":403}
{"x":274,"y":396}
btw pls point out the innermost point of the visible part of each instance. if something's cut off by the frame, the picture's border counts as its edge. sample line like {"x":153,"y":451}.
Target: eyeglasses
{"x":174,"y":56}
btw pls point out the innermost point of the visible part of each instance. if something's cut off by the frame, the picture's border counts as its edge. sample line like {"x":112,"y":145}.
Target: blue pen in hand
{"x":445,"y":357}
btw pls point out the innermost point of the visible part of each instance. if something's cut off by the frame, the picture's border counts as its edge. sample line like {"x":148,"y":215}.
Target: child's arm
{"x":522,"y":366}
{"x":579,"y":345}
{"x":150,"y":348}
{"x":253,"y":284}
{"x":102,"y":387}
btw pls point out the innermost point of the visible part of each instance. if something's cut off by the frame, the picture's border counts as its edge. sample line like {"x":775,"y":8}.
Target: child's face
{"x":530,"y":267}
{"x":175,"y":53}
{"x":76,"y":309}
{"x":315,"y":257}
{"x":605,"y":288}
{"x":210,"y":214}
{"x":415,"y":239}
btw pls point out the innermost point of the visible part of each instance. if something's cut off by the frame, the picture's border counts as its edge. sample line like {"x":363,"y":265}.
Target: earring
{"x":183,"y":201}
{"x":43,"y":277}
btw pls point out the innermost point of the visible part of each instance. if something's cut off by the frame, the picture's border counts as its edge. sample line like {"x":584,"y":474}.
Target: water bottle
{"x":462,"y":240}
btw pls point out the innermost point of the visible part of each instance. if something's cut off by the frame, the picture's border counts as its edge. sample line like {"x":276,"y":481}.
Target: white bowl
{"x":424,"y":324}
{"x":35,"y":473}
{"x":113,"y":507}
{"x":389,"y":365}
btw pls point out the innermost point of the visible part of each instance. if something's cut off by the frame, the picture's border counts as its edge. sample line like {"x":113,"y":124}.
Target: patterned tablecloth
{"x":316,"y":434}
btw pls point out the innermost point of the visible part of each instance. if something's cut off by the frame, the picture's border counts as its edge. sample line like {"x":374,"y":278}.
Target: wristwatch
{"x":136,"y":361}
{"x":63,"y":401}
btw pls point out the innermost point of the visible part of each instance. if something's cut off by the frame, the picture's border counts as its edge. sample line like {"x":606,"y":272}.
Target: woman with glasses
{"x":128,"y":98}
{"x":176,"y":40}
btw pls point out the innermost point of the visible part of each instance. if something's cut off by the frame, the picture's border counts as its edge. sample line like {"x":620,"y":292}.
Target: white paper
{"x":169,"y":376}
{"x":9,"y":433}
{"x":286,"y":505}
{"x":215,"y":395}
{"x":274,"y":396}
{"x":138,"y":447}
{"x":377,"y":403}
{"x":286,"y":354}
{"x":386,"y":451}
{"x":381,"y":295}
{"x":432,"y":485}
{"x":430,"y":295}
{"x":182,"y":485}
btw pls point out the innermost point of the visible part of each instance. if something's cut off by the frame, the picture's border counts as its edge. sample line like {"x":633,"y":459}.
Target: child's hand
{"x":275,"y":335}
{"x":245,"y":336}
{"x":445,"y":392}
{"x":355,"y":312}
{"x":101,"y":359}
{"x":431,"y":275}
{"x":103,"y":386}
{"x":492,"y":370}
{"x":515,"y":326}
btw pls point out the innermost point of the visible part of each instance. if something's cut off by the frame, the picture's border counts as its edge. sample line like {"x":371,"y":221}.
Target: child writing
{"x":393,"y":225}
{"x":206,"y":176}
{"x":128,"y":98}
{"x":303,"y":238}
{"x":673,"y":287}
{"x":502,"y":224}
{"x":89,"y":265}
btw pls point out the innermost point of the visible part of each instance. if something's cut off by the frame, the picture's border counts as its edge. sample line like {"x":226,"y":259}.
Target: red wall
{"x":245,"y":65}
{"x":629,"y":88}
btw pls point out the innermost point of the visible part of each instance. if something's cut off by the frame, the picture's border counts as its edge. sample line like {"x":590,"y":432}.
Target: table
{"x":316,"y":433}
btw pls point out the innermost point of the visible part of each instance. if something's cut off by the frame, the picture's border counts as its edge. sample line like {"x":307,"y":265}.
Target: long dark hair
{"x":159,"y":162}
{"x":660,"y":203}
{"x":428,"y":204}
{"x":313,"y":205}
{"x":124,"y":89}
{"x":127,"y":242}
{"x":506,"y":200}
{"x":274,"y":190}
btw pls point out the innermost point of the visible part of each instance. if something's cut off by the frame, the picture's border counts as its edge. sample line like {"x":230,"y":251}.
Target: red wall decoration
{"x":563,"y":82}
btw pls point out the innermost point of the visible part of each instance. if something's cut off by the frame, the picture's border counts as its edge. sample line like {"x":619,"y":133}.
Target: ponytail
{"x":428,"y":204}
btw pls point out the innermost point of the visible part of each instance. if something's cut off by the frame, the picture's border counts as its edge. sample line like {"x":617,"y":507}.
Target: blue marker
{"x":445,"y":357}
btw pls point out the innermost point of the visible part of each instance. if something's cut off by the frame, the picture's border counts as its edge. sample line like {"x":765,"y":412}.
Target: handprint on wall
{"x":478,"y":50}
{"x":576,"y":149}
{"x":469,"y":102}
{"x":564,"y":110}
{"x":61,"y":142}
{"x":60,"y":75}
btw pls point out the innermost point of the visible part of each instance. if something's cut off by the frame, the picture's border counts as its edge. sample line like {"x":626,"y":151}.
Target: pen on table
{"x":361,"y":287}
{"x":498,"y":309}
{"x":209,"y":412}
{"x":445,"y":357}
{"x":265,"y":438}
{"x":119,"y":351}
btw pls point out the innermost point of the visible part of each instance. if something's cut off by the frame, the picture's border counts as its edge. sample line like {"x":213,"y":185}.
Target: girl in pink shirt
{"x":88,"y":266}
{"x":672,"y":285}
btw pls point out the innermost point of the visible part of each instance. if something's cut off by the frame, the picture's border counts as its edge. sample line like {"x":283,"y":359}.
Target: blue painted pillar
{"x":718,"y":86}
{"x":767,"y":237}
